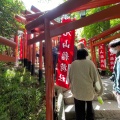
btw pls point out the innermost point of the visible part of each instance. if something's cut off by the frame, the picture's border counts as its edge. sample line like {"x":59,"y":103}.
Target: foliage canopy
{"x":8,"y":24}
{"x":97,"y":28}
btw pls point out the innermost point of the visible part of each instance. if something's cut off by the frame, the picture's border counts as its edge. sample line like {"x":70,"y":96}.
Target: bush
{"x":21,"y":96}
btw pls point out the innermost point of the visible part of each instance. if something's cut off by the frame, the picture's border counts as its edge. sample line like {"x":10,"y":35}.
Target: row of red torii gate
{"x":39,"y":25}
{"x":28,"y":54}
{"x":104,"y":60}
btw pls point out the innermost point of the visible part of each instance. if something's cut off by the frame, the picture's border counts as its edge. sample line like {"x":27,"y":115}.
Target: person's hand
{"x":111,"y":78}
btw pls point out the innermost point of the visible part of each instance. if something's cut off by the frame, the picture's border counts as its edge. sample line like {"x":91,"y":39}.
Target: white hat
{"x":115,"y":42}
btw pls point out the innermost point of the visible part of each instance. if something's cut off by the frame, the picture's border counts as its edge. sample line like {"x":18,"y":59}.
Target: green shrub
{"x":21,"y":96}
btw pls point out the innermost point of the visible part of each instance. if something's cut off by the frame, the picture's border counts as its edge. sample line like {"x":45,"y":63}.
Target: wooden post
{"x":22,"y":48}
{"x":29,"y":53}
{"x":93,"y":54}
{"x":40,"y":60}
{"x":25,"y":48}
{"x":33,"y":58}
{"x":30,"y":57}
{"x":16,"y":49}
{"x":48,"y":72}
{"x":91,"y":49}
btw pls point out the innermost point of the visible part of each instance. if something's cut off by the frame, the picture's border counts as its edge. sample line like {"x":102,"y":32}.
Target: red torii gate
{"x":99,"y":39}
{"x":28,"y":61}
{"x":29,"y":51}
{"x":49,"y":32}
{"x":11,"y":44}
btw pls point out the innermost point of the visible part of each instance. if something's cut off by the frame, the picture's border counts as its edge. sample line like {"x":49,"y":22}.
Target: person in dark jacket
{"x":115,"y":49}
{"x":75,"y":53}
{"x":55,"y":57}
{"x":80,"y":45}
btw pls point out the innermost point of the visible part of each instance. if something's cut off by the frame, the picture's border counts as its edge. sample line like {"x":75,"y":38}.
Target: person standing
{"x":115,"y":49}
{"x":37,"y":55}
{"x":85,"y":84}
{"x":75,"y":53}
{"x":55,"y":57}
{"x":81,"y":45}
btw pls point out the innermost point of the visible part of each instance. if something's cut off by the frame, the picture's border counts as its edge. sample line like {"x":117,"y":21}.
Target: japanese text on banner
{"x":65,"y":58}
{"x":102,"y":56}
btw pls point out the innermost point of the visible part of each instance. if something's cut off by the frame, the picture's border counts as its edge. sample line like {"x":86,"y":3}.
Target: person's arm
{"x":70,"y":73}
{"x":112,"y":78}
{"x":97,"y":83}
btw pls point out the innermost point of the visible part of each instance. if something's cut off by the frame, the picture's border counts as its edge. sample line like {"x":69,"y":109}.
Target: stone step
{"x":107,"y":95}
{"x":37,"y":70}
{"x":68,"y":97}
{"x":107,"y":111}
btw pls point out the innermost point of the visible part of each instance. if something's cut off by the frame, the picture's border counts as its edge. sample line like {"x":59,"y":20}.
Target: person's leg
{"x":36,"y":58}
{"x":79,"y":109}
{"x":90,"y":111}
{"x":118,"y":99}
{"x":115,"y":94}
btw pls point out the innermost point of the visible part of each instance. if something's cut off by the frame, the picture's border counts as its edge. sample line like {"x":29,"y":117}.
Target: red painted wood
{"x":31,"y":17}
{"x":97,"y":17}
{"x":20,"y":19}
{"x":7,"y":42}
{"x":62,"y":9}
{"x":23,"y":47}
{"x":34,"y":9}
{"x":52,"y":14}
{"x":25,"y":12}
{"x":25,"y":44}
{"x":100,"y":16}
{"x":103,"y":41}
{"x":40,"y":55}
{"x":16,"y":49}
{"x":106,"y":33}
{"x":34,"y":52}
{"x":48,"y":72}
{"x":94,"y":4}
{"x":28,"y":48}
{"x":6,"y":58}
{"x":12,"y":44}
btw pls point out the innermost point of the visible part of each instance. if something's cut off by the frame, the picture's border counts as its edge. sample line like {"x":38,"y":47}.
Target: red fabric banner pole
{"x":65,"y":57}
{"x":102,"y":56}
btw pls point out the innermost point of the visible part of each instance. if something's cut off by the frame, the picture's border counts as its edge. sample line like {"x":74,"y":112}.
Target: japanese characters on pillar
{"x":111,"y":59}
{"x":83,"y":40}
{"x":102,"y":56}
{"x":65,"y":58}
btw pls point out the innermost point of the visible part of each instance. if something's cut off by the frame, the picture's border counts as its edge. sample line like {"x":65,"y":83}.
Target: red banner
{"x":102,"y":56}
{"x":83,"y":40}
{"x":65,"y":58}
{"x":111,"y":59}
